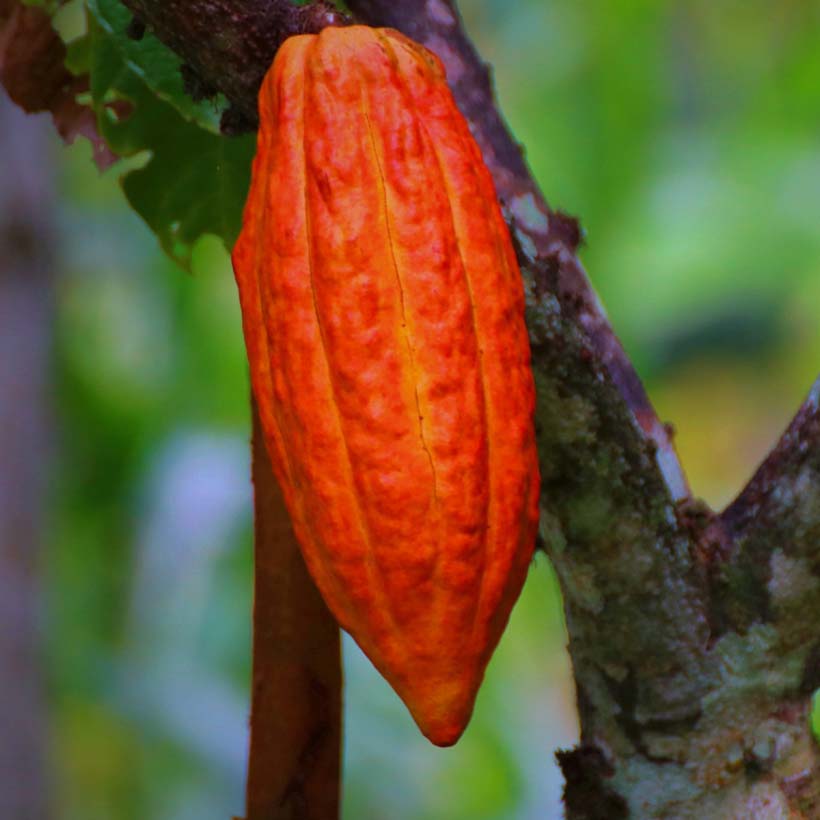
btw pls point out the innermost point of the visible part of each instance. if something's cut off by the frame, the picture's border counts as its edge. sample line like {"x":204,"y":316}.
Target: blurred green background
{"x":686,"y":136}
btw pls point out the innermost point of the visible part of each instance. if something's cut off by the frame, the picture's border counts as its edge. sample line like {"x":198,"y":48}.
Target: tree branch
{"x":785,"y":490}
{"x":230,"y":45}
{"x":772,"y":572}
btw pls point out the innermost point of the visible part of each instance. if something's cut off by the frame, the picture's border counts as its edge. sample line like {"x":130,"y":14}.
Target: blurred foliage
{"x":685,"y":136}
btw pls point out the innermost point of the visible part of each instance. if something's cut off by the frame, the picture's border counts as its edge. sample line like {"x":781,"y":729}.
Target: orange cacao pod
{"x":383,"y":313}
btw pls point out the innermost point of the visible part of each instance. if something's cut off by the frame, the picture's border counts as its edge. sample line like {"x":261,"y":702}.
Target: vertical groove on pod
{"x":376,"y":587}
{"x":480,"y":353}
{"x":395,"y":266}
{"x":490,"y":497}
{"x":488,"y":205}
{"x":402,"y":85}
{"x":264,"y":366}
{"x":491,"y":424}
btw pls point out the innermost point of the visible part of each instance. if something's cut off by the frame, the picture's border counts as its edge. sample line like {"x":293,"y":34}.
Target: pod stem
{"x":296,"y":703}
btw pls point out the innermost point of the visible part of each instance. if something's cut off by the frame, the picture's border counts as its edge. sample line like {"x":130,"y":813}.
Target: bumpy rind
{"x":383,"y":314}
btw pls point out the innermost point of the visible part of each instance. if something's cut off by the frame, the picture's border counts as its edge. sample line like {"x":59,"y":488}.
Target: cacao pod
{"x":383,"y":313}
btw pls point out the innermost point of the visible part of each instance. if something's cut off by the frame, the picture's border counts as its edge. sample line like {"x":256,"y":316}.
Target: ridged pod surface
{"x":383,"y":313}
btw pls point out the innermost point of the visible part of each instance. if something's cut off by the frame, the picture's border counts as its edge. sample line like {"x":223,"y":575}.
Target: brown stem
{"x":294,"y":762}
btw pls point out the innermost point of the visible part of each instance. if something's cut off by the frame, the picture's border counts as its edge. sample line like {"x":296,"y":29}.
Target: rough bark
{"x":26,"y":261}
{"x":241,"y":38}
{"x":693,"y":636}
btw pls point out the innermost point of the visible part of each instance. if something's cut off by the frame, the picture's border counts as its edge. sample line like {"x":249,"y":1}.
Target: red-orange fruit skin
{"x":383,"y":313}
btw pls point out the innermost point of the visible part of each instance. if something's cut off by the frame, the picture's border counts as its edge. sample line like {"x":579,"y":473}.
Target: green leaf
{"x":78,"y":55}
{"x":153,"y":63}
{"x":194,"y":182}
{"x":180,"y":212}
